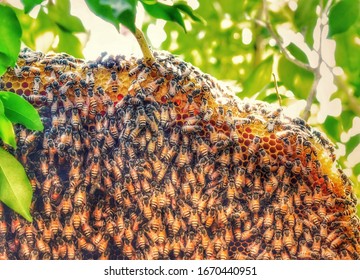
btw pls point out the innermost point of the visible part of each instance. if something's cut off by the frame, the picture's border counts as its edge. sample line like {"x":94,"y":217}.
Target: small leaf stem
{"x":145,"y":48}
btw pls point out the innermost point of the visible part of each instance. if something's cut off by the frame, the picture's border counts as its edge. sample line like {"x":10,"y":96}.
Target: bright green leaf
{"x":10,"y":34}
{"x":30,"y":4}
{"x":297,"y":53}
{"x":294,"y":78}
{"x":347,"y":117}
{"x":60,"y":13}
{"x":356,"y":169}
{"x":259,"y":78}
{"x":332,"y":128}
{"x":103,"y":11}
{"x":18,"y":110}
{"x":186,"y":9}
{"x":353,"y":142}
{"x":166,"y":12}
{"x":2,"y":109}
{"x":124,"y":11}
{"x":7,"y":133}
{"x":70,"y":44}
{"x":342,"y":15}
{"x":273,"y":98}
{"x":15,"y":189}
{"x":347,"y":54}
{"x":305,"y":18}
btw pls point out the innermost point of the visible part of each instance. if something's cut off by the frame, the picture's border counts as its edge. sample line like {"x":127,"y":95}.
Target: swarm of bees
{"x":161,"y":161}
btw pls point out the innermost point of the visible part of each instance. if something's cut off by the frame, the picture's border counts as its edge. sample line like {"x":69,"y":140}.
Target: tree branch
{"x":279,"y":41}
{"x":147,"y":53}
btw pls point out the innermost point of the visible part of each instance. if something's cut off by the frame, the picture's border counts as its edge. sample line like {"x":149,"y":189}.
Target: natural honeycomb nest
{"x":163,"y":162}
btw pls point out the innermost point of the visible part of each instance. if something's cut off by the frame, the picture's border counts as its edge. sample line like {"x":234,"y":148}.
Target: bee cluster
{"x":162,"y":162}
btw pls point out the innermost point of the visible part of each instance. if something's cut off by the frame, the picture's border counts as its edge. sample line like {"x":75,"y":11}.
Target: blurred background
{"x":308,"y":51}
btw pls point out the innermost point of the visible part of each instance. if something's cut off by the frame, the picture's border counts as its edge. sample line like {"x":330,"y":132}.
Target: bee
{"x":255,"y":247}
{"x":296,"y":169}
{"x":153,"y":87}
{"x":251,"y":165}
{"x":269,"y":233}
{"x":41,"y":245}
{"x":55,"y":224}
{"x":65,"y":205}
{"x":254,"y":146}
{"x":191,"y":108}
{"x":208,"y":114}
{"x":177,"y":246}
{"x":247,"y":234}
{"x":254,"y":203}
{"x":327,"y":253}
{"x":24,"y":251}
{"x":298,"y":229}
{"x":288,"y":147}
{"x":344,"y":255}
{"x":308,"y":236}
{"x":304,"y":251}
{"x":70,"y":250}
{"x":69,"y":230}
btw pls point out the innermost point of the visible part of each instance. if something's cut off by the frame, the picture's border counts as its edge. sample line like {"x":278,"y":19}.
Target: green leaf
{"x":353,"y":142}
{"x":305,"y":18}
{"x":15,"y":189}
{"x":342,"y":15}
{"x":294,"y":78}
{"x":259,"y":78}
{"x":18,"y":110}
{"x":60,"y":13}
{"x":297,"y":53}
{"x":103,"y":11}
{"x":166,"y":12}
{"x":2,"y":109}
{"x":10,"y":34}
{"x":115,"y":11}
{"x":124,"y":11}
{"x":7,"y":133}
{"x":186,"y":9}
{"x":356,"y":169}
{"x":70,"y":44}
{"x":30,"y":4}
{"x":273,"y":98}
{"x":333,"y":128}
{"x":347,"y":117}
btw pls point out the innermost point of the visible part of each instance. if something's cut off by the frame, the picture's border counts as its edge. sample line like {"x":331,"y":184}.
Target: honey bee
{"x":65,"y":205}
{"x":41,"y":245}
{"x":247,"y":234}
{"x":69,"y":230}
{"x":298,"y":229}
{"x":254,"y":146}
{"x":251,"y":165}
{"x":304,"y":251}
{"x":327,"y":253}
{"x":269,"y":233}
{"x":191,"y":107}
{"x":153,"y":87}
{"x":344,"y":255}
{"x":254,"y":203}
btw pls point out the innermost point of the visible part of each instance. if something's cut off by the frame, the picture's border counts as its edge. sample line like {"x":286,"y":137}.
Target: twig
{"x":277,"y":90}
{"x":280,"y":43}
{"x":310,"y":99}
{"x":147,"y":53}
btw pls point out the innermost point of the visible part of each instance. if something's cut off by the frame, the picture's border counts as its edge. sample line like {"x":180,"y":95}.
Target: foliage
{"x":15,"y":189}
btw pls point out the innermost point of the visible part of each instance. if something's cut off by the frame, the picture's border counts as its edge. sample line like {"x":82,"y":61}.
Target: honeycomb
{"x":162,"y":161}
